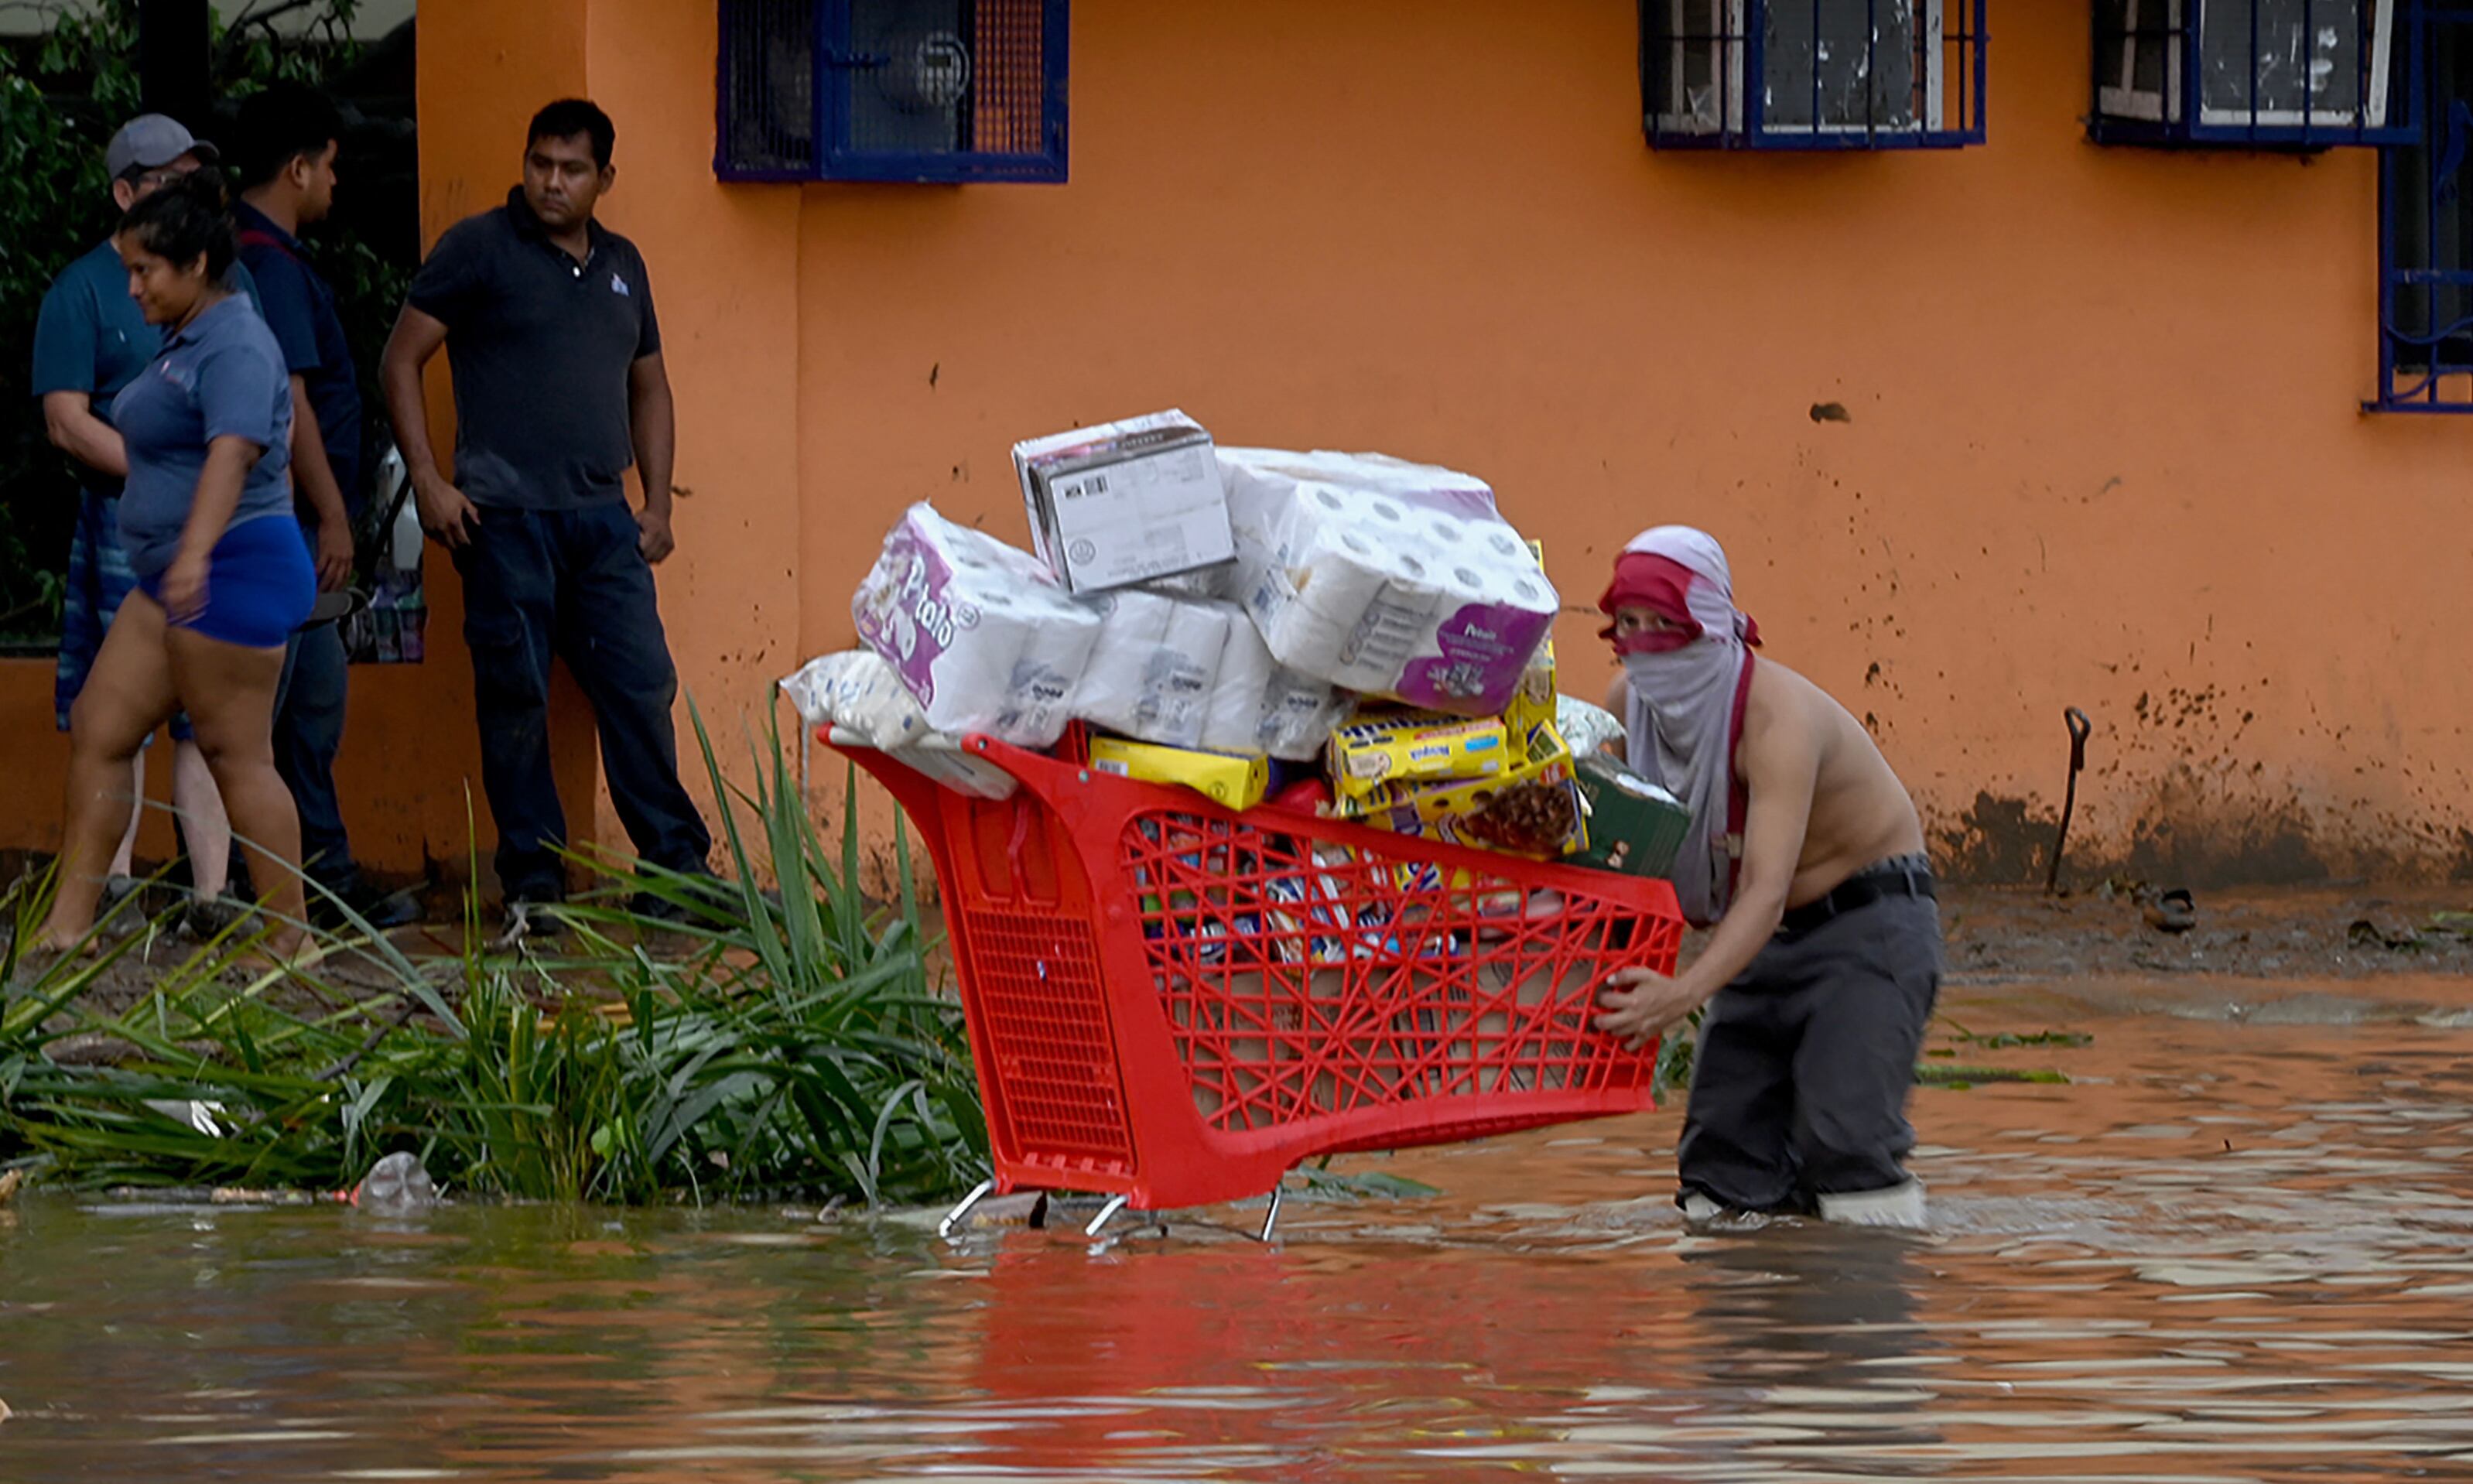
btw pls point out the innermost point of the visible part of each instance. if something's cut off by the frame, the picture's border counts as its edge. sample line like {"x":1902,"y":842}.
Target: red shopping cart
{"x":1171,"y":1004}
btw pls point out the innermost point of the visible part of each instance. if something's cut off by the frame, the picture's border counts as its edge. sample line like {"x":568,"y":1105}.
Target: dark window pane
{"x":909,"y":71}
{"x":2431,"y":214}
{"x":768,"y":84}
{"x":1845,"y":64}
{"x":2284,"y":57}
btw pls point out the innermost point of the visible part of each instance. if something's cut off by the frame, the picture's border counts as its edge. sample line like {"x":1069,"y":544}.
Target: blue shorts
{"x":259,"y":586}
{"x":98,"y":578}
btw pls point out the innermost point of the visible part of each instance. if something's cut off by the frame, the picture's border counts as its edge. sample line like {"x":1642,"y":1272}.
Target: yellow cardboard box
{"x":1238,"y":782}
{"x":1533,"y":809}
{"x":1533,"y":704}
{"x":1387,"y":750}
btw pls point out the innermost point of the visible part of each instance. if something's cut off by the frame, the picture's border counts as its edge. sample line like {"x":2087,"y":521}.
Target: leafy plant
{"x":1673,"y":1072}
{"x":790,"y":1045}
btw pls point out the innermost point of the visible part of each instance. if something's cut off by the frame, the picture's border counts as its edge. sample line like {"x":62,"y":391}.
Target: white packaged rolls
{"x":978,"y":632}
{"x":1260,"y":706}
{"x":1154,"y":671}
{"x":1383,"y":576}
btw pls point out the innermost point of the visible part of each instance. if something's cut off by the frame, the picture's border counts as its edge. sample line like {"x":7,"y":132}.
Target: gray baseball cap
{"x":151,"y":141}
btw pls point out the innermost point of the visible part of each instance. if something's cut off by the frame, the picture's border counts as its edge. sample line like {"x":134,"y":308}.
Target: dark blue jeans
{"x":570,"y":583}
{"x":308,"y":734}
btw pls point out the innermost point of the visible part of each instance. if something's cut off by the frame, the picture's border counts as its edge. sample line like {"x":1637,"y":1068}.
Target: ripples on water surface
{"x":2238,"y":1252}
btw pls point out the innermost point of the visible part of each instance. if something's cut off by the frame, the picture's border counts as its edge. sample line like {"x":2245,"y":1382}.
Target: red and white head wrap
{"x":1680,"y":574}
{"x":1689,"y":683}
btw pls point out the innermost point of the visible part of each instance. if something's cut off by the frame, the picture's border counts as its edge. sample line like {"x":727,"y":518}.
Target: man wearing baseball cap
{"x":91,"y":341}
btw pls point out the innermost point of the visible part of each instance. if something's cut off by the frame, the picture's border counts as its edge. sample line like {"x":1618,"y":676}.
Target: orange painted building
{"x":2102,"y":441}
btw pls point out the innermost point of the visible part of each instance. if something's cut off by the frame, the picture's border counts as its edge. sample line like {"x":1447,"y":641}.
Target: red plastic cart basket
{"x":1173,"y":1004}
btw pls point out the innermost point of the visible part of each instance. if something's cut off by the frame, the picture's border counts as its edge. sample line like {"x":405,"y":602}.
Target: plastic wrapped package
{"x":1589,"y":728}
{"x":1387,"y":577}
{"x":857,"y":694}
{"x":1260,"y":706}
{"x":980,"y":634}
{"x":1155,"y":671}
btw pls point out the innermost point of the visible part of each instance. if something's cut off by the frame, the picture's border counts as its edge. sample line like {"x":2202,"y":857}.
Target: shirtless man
{"x":1806,"y":854}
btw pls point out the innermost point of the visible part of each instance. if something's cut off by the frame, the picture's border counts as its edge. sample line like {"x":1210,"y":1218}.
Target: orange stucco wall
{"x":2105,"y":446}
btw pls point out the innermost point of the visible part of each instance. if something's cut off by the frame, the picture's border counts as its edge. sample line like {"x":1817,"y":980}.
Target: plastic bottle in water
{"x":394,"y":1185}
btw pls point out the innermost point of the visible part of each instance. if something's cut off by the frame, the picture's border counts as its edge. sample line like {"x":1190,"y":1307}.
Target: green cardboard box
{"x":1634,"y":825}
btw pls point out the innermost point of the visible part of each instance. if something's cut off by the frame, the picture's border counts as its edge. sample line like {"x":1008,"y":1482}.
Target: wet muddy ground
{"x":2314,"y":933}
{"x":1996,"y":936}
{"x":2234,"y":1246}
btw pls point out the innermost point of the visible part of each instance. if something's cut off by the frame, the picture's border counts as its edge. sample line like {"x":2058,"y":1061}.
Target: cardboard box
{"x":1238,"y":782}
{"x":1634,"y":825}
{"x":1391,"y":749}
{"x":1125,"y":502}
{"x":1533,"y":704}
{"x":1533,"y":809}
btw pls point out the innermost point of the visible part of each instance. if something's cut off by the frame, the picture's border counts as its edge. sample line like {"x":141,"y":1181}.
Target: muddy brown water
{"x":2238,"y":1246}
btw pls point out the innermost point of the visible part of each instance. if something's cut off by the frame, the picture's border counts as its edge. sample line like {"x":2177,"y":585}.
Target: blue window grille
{"x":938,"y":91}
{"x":2426,"y":234}
{"x":1812,"y":74}
{"x":2257,"y":74}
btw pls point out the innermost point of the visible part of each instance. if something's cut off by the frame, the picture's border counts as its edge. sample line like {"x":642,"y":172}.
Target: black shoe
{"x":381,"y":910}
{"x":658,"y":908}
{"x":207,"y":918}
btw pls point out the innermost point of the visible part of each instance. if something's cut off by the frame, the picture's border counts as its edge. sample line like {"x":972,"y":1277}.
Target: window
{"x":2426,"y":234}
{"x":1832,"y":74}
{"x":891,"y":90}
{"x":2299,"y":73}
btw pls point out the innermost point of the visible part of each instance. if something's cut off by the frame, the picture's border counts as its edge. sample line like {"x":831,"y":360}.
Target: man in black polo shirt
{"x":290,"y":135}
{"x":547,"y":319}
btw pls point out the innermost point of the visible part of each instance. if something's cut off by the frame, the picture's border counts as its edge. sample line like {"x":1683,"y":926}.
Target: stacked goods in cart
{"x":1351,"y":632}
{"x":1262,"y":829}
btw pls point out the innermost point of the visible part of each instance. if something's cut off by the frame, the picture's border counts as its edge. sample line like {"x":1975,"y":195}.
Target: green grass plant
{"x":774,"y":1043}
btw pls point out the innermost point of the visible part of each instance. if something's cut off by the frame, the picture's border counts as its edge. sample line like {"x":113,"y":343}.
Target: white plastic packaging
{"x":980,"y":634}
{"x":857,"y":694}
{"x":1155,"y":670}
{"x":1260,"y":706}
{"x":1387,"y":577}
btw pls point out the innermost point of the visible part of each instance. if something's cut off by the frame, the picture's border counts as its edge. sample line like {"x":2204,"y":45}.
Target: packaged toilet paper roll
{"x":1260,"y":706}
{"x":1154,"y":672}
{"x":1383,"y":576}
{"x":978,"y":632}
{"x":1232,"y":718}
{"x":1297,"y":713}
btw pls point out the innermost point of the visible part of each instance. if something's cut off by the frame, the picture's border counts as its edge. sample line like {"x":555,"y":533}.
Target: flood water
{"x":2230,"y":1251}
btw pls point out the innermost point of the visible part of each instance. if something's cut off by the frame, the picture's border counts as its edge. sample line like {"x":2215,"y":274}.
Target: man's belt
{"x":1859,"y":891}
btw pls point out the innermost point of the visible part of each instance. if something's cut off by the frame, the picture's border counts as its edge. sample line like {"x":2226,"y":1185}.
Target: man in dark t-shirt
{"x":290,"y":135}
{"x":547,"y":319}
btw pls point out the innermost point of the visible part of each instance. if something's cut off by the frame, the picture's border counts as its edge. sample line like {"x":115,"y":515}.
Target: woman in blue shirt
{"x":223,"y":573}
